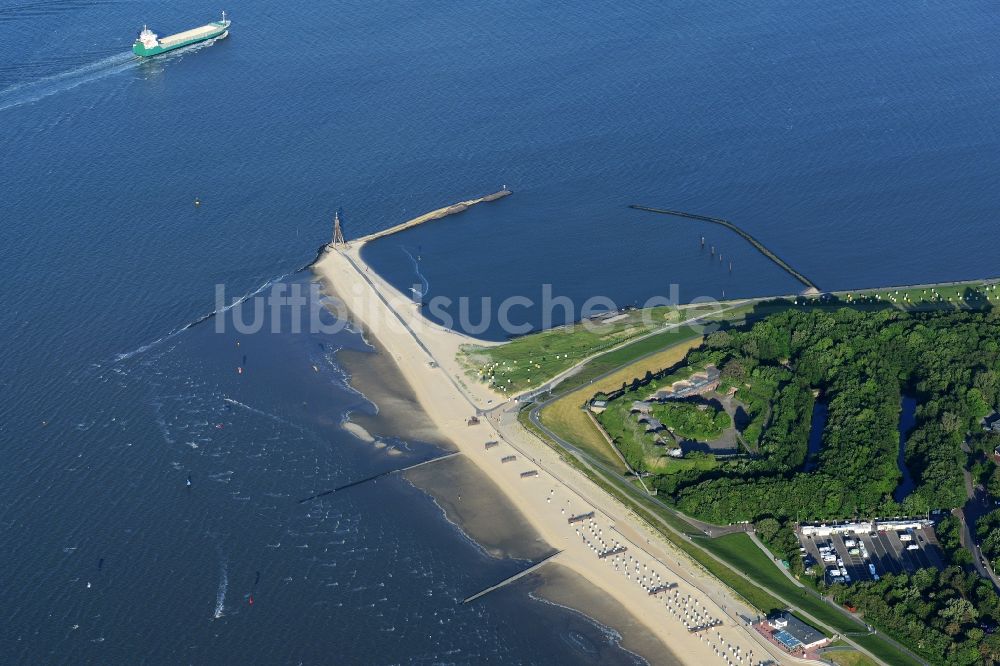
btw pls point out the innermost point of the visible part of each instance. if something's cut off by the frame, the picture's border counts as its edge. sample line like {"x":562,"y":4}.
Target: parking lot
{"x":886,"y":549}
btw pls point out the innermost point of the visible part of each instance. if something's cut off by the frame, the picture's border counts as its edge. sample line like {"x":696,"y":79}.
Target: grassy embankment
{"x":531,"y":360}
{"x":566,"y":416}
{"x":963,"y":296}
{"x":948,"y":297}
{"x":847,"y":657}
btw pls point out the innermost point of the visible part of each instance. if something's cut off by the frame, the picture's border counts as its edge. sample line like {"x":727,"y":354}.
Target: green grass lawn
{"x":848,"y":657}
{"x":973,"y":295}
{"x":884,"y":651}
{"x":740,"y":552}
{"x":640,"y":448}
{"x":744,"y":555}
{"x":534,"y":359}
{"x":605,"y":363}
{"x":930,"y":298}
{"x":566,"y":417}
{"x":687,"y":420}
{"x":969,"y":296}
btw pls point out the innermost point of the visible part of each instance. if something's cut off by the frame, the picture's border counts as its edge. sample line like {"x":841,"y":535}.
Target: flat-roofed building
{"x":795,"y":634}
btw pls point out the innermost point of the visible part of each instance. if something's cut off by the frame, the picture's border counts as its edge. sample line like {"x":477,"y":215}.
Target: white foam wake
{"x":32,"y":91}
{"x":261,"y":412}
{"x":423,"y":280}
{"x":220,"y":597}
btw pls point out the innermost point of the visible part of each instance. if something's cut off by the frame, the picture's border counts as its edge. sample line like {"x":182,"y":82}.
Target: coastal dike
{"x":453,"y":209}
{"x":811,"y":288}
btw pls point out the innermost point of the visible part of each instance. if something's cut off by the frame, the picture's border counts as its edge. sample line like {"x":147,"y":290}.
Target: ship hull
{"x":219,"y":30}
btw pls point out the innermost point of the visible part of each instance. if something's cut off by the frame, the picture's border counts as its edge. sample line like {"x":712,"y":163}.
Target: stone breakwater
{"x":784,"y":265}
{"x":453,"y":209}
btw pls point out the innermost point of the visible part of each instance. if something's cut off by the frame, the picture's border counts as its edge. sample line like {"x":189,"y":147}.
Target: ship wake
{"x":32,"y":91}
{"x":220,"y":595}
{"x":27,"y":92}
{"x":425,"y":285}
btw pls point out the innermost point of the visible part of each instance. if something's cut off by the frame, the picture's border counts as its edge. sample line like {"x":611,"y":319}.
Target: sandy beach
{"x":683,"y":607}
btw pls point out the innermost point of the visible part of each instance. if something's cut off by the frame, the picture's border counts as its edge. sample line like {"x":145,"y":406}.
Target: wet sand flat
{"x":473,"y":501}
{"x":377,"y":376}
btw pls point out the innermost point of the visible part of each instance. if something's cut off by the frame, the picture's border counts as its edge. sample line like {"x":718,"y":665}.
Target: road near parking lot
{"x":886,"y":551}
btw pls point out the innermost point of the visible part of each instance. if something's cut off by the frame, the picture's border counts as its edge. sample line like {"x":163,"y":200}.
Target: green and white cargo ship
{"x":148,"y":44}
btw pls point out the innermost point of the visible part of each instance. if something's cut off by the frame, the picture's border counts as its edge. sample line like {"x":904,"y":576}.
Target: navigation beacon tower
{"x":338,"y":234}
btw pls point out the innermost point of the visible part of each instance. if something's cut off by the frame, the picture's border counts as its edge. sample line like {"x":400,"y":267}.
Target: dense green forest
{"x":860,"y":364}
{"x":988,"y":534}
{"x":949,"y":617}
{"x":943,"y":615}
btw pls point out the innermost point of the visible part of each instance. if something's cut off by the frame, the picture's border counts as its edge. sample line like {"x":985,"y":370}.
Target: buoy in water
{"x":197,"y":201}
{"x":251,"y":600}
{"x":239,"y":370}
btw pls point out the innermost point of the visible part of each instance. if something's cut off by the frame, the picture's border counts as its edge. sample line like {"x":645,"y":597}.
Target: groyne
{"x":784,"y":265}
{"x":511,"y":579}
{"x":453,"y":209}
{"x":375,"y":477}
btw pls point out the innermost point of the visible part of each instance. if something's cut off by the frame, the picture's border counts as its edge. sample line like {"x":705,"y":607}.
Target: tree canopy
{"x":860,"y":365}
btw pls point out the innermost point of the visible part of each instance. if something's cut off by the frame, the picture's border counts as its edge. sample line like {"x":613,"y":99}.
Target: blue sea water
{"x":907,"y":419}
{"x":858,"y":140}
